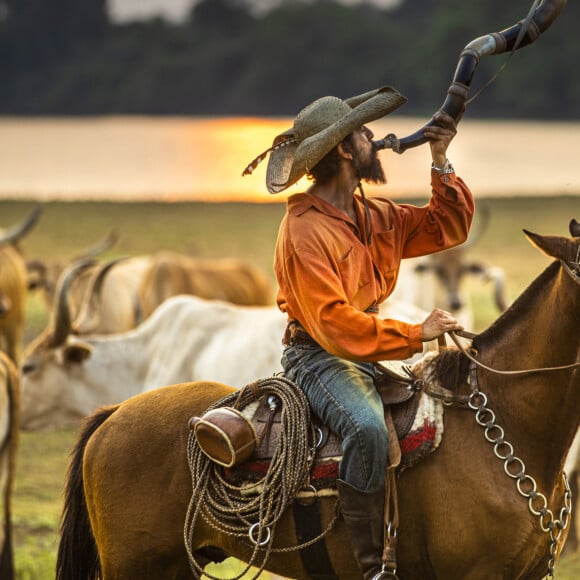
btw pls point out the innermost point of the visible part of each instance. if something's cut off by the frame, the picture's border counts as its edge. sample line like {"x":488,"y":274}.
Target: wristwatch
{"x":444,"y":169}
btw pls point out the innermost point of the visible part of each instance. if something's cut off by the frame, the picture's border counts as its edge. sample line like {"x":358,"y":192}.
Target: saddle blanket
{"x":422,"y":438}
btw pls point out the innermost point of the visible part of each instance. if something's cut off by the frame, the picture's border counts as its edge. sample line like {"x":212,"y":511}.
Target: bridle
{"x":573,"y":268}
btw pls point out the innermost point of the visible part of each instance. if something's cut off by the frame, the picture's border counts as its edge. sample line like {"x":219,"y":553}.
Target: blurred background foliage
{"x":67,"y":57}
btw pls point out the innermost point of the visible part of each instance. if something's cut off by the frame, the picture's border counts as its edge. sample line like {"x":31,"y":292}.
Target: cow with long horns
{"x":13,"y":285}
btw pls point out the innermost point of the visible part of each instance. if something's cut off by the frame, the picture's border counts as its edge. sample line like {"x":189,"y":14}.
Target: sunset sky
{"x":172,"y":158}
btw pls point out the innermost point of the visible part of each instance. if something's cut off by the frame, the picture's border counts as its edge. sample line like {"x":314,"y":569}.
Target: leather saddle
{"x":399,"y":390}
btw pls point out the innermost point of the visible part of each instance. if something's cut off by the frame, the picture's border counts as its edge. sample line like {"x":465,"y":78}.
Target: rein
{"x":574,"y":272}
{"x":453,"y":336}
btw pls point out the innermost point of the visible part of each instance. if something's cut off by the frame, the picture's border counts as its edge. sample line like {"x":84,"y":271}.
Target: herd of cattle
{"x":125,"y":326}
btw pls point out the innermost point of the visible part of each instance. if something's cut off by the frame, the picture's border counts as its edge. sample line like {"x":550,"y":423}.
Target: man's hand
{"x":440,"y":135}
{"x":437,"y":323}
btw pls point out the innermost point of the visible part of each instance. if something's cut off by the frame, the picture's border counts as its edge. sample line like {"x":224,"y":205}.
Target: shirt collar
{"x":300,"y":203}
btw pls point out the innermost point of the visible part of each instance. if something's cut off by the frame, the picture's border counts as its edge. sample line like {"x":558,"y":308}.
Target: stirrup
{"x":384,"y":573}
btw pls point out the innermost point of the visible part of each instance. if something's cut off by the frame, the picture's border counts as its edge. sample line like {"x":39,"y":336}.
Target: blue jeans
{"x":342,"y":394}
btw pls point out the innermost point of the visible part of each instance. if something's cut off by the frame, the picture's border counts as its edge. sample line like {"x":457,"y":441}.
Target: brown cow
{"x":13,"y":285}
{"x":43,"y":275}
{"x":226,"y":279}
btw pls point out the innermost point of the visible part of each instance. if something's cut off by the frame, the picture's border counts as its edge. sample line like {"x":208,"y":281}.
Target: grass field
{"x":213,"y":230}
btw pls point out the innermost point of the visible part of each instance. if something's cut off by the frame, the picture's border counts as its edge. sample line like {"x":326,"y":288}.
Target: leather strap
{"x":519,"y":372}
{"x":315,"y":558}
{"x":389,"y":557}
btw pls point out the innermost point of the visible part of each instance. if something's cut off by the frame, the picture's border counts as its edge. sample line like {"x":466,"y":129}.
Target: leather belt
{"x":295,"y":335}
{"x":301,"y":338}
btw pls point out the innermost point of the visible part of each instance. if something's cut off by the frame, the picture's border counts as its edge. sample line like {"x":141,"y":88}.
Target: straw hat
{"x":319,"y":128}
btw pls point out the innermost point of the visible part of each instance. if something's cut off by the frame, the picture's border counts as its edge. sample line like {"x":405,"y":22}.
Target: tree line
{"x":66,"y":57}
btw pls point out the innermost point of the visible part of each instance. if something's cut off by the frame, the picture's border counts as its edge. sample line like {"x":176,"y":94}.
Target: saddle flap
{"x":267,"y":423}
{"x":395,"y":382}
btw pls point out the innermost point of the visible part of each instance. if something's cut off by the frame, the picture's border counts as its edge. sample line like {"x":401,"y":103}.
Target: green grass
{"x":237,"y":229}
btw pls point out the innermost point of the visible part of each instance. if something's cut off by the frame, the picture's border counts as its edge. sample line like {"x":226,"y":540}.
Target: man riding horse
{"x":337,"y":258}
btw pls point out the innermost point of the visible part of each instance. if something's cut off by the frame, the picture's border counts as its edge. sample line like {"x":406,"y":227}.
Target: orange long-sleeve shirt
{"x":328,"y":275}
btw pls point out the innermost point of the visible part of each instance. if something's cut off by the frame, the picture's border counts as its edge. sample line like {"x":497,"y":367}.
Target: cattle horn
{"x":496,"y":275}
{"x":61,"y":322}
{"x":14,"y":234}
{"x":480,"y":226}
{"x":99,"y":247}
{"x":517,"y":36}
{"x":87,"y":317}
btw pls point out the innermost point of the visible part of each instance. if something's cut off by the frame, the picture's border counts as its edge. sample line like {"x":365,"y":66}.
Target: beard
{"x":369,"y":170}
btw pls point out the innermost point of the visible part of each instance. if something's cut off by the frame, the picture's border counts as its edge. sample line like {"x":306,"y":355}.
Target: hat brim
{"x":288,"y":164}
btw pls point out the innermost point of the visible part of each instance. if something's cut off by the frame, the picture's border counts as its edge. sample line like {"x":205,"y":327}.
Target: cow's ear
{"x":422,"y":267}
{"x":475,"y":268}
{"x":76,"y":353}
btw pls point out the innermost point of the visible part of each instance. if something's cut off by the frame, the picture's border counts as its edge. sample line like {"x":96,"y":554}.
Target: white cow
{"x":438,"y":280}
{"x":66,"y":376}
{"x":185,"y":339}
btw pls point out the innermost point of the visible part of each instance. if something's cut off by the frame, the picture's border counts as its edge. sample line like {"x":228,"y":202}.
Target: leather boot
{"x":363,"y":513}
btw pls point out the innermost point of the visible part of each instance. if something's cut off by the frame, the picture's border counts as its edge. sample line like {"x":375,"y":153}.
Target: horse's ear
{"x":574,"y":228}
{"x":552,"y":246}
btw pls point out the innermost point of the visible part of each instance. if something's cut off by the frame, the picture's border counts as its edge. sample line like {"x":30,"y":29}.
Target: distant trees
{"x":65,"y":57}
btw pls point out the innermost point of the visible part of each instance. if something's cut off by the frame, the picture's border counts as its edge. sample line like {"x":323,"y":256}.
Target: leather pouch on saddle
{"x":225,"y":436}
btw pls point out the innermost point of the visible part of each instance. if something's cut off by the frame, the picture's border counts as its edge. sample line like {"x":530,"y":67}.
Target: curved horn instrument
{"x":517,"y":36}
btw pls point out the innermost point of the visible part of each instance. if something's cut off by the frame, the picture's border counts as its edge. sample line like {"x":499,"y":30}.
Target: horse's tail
{"x":78,"y":558}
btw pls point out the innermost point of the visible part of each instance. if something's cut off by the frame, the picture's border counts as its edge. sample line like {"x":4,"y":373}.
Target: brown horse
{"x":462,"y":516}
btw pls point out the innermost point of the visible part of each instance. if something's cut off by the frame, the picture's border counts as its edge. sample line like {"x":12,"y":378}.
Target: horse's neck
{"x":539,"y":330}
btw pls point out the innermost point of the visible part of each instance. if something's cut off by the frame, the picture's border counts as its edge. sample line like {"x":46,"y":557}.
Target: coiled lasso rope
{"x":251,"y":511}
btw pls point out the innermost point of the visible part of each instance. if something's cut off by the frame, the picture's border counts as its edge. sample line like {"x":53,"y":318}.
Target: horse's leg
{"x":138,"y":485}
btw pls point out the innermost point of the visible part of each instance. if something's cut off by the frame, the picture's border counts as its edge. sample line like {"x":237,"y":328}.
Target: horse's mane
{"x":449,"y":368}
{"x":521,"y":304}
